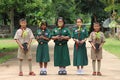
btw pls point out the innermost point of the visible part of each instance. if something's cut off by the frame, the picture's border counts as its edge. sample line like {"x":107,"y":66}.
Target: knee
{"x":98,"y":60}
{"x":93,"y":60}
{"x":29,"y":59}
{"x":20,"y":59}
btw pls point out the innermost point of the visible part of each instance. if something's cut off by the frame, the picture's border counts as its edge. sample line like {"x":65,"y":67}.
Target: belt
{"x":60,"y":44}
{"x":42,"y":43}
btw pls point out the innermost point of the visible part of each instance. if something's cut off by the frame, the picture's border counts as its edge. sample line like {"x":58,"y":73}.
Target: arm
{"x":82,"y":41}
{"x":65,"y":37}
{"x":76,"y":40}
{"x":55,"y":37}
{"x":92,"y":45}
{"x":19,"y":43}
{"x":45,"y":38}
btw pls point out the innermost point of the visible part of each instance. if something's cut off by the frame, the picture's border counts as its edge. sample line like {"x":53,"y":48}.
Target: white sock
{"x":30,"y":65}
{"x":44,"y":69}
{"x":60,"y":69}
{"x":63,"y":69}
{"x":20,"y":66}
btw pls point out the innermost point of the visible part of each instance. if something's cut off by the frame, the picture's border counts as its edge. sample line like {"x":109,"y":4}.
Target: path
{"x":110,"y":68}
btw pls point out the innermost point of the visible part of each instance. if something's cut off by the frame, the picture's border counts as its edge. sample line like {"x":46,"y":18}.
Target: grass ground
{"x":113,"y":46}
{"x":7,"y":47}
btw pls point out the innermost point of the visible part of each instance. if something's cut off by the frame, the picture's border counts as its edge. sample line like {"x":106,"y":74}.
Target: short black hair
{"x":58,"y":19}
{"x":44,"y":23}
{"x":80,"y":19}
{"x":22,"y":19}
{"x":96,"y":23}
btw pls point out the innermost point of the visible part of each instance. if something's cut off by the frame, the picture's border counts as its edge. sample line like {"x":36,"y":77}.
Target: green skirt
{"x":42,"y":54}
{"x":61,"y":55}
{"x":80,"y":56}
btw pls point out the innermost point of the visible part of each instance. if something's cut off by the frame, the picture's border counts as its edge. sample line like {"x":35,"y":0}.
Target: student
{"x":80,"y":35}
{"x":24,"y":38}
{"x":42,"y":54}
{"x":97,"y":40}
{"x":61,"y":35}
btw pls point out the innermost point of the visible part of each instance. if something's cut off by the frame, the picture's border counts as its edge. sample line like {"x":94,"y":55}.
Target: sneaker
{"x":32,"y":73}
{"x":82,"y":71}
{"x":99,"y":74}
{"x":94,"y":73}
{"x":21,"y":74}
{"x":59,"y":72}
{"x":64,"y":72}
{"x":41,"y":73}
{"x":78,"y":71}
{"x":45,"y":72}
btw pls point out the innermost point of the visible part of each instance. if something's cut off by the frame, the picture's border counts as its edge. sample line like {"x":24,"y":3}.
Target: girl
{"x":61,"y":35}
{"x":80,"y":54}
{"x":42,"y":55}
{"x":97,"y":40}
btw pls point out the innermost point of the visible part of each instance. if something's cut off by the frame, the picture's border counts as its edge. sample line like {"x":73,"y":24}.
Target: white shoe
{"x":82,"y":71}
{"x":78,"y":71}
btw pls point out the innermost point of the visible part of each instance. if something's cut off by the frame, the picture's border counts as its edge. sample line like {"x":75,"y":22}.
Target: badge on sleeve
{"x":83,"y":30}
{"x":65,"y":31}
{"x":56,"y":31}
{"x":46,"y":34}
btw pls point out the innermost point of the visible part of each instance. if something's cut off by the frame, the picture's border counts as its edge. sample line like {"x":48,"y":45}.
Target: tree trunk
{"x":12,"y":21}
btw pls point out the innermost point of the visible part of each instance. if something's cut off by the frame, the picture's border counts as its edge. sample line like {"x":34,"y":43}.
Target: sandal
{"x":99,"y":74}
{"x":32,"y":73}
{"x":21,"y":74}
{"x":94,"y":73}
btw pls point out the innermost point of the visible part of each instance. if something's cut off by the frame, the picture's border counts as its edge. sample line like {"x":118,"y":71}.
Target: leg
{"x":99,"y":66}
{"x":82,"y":67}
{"x":20,"y":67}
{"x":41,"y":65}
{"x":45,"y":66}
{"x":78,"y":67}
{"x":82,"y":71}
{"x":30,"y":67}
{"x":94,"y":67}
{"x":60,"y":70}
{"x":64,"y":72}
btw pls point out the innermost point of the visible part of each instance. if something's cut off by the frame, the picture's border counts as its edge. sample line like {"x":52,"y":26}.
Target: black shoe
{"x":60,"y":73}
{"x":64,"y":72}
{"x":45,"y":72}
{"x":41,"y":73}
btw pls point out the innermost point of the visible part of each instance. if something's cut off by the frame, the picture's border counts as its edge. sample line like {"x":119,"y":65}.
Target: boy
{"x":97,"y":40}
{"x":24,"y":38}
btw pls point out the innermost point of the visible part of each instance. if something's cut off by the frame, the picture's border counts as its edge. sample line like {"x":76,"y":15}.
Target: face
{"x":60,"y":23}
{"x":96,"y":27}
{"x":43,"y":27}
{"x":23,"y":23}
{"x":79,"y":22}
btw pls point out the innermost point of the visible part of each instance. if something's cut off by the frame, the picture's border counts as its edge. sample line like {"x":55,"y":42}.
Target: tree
{"x":93,"y":8}
{"x":64,"y":8}
{"x":112,"y":6}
